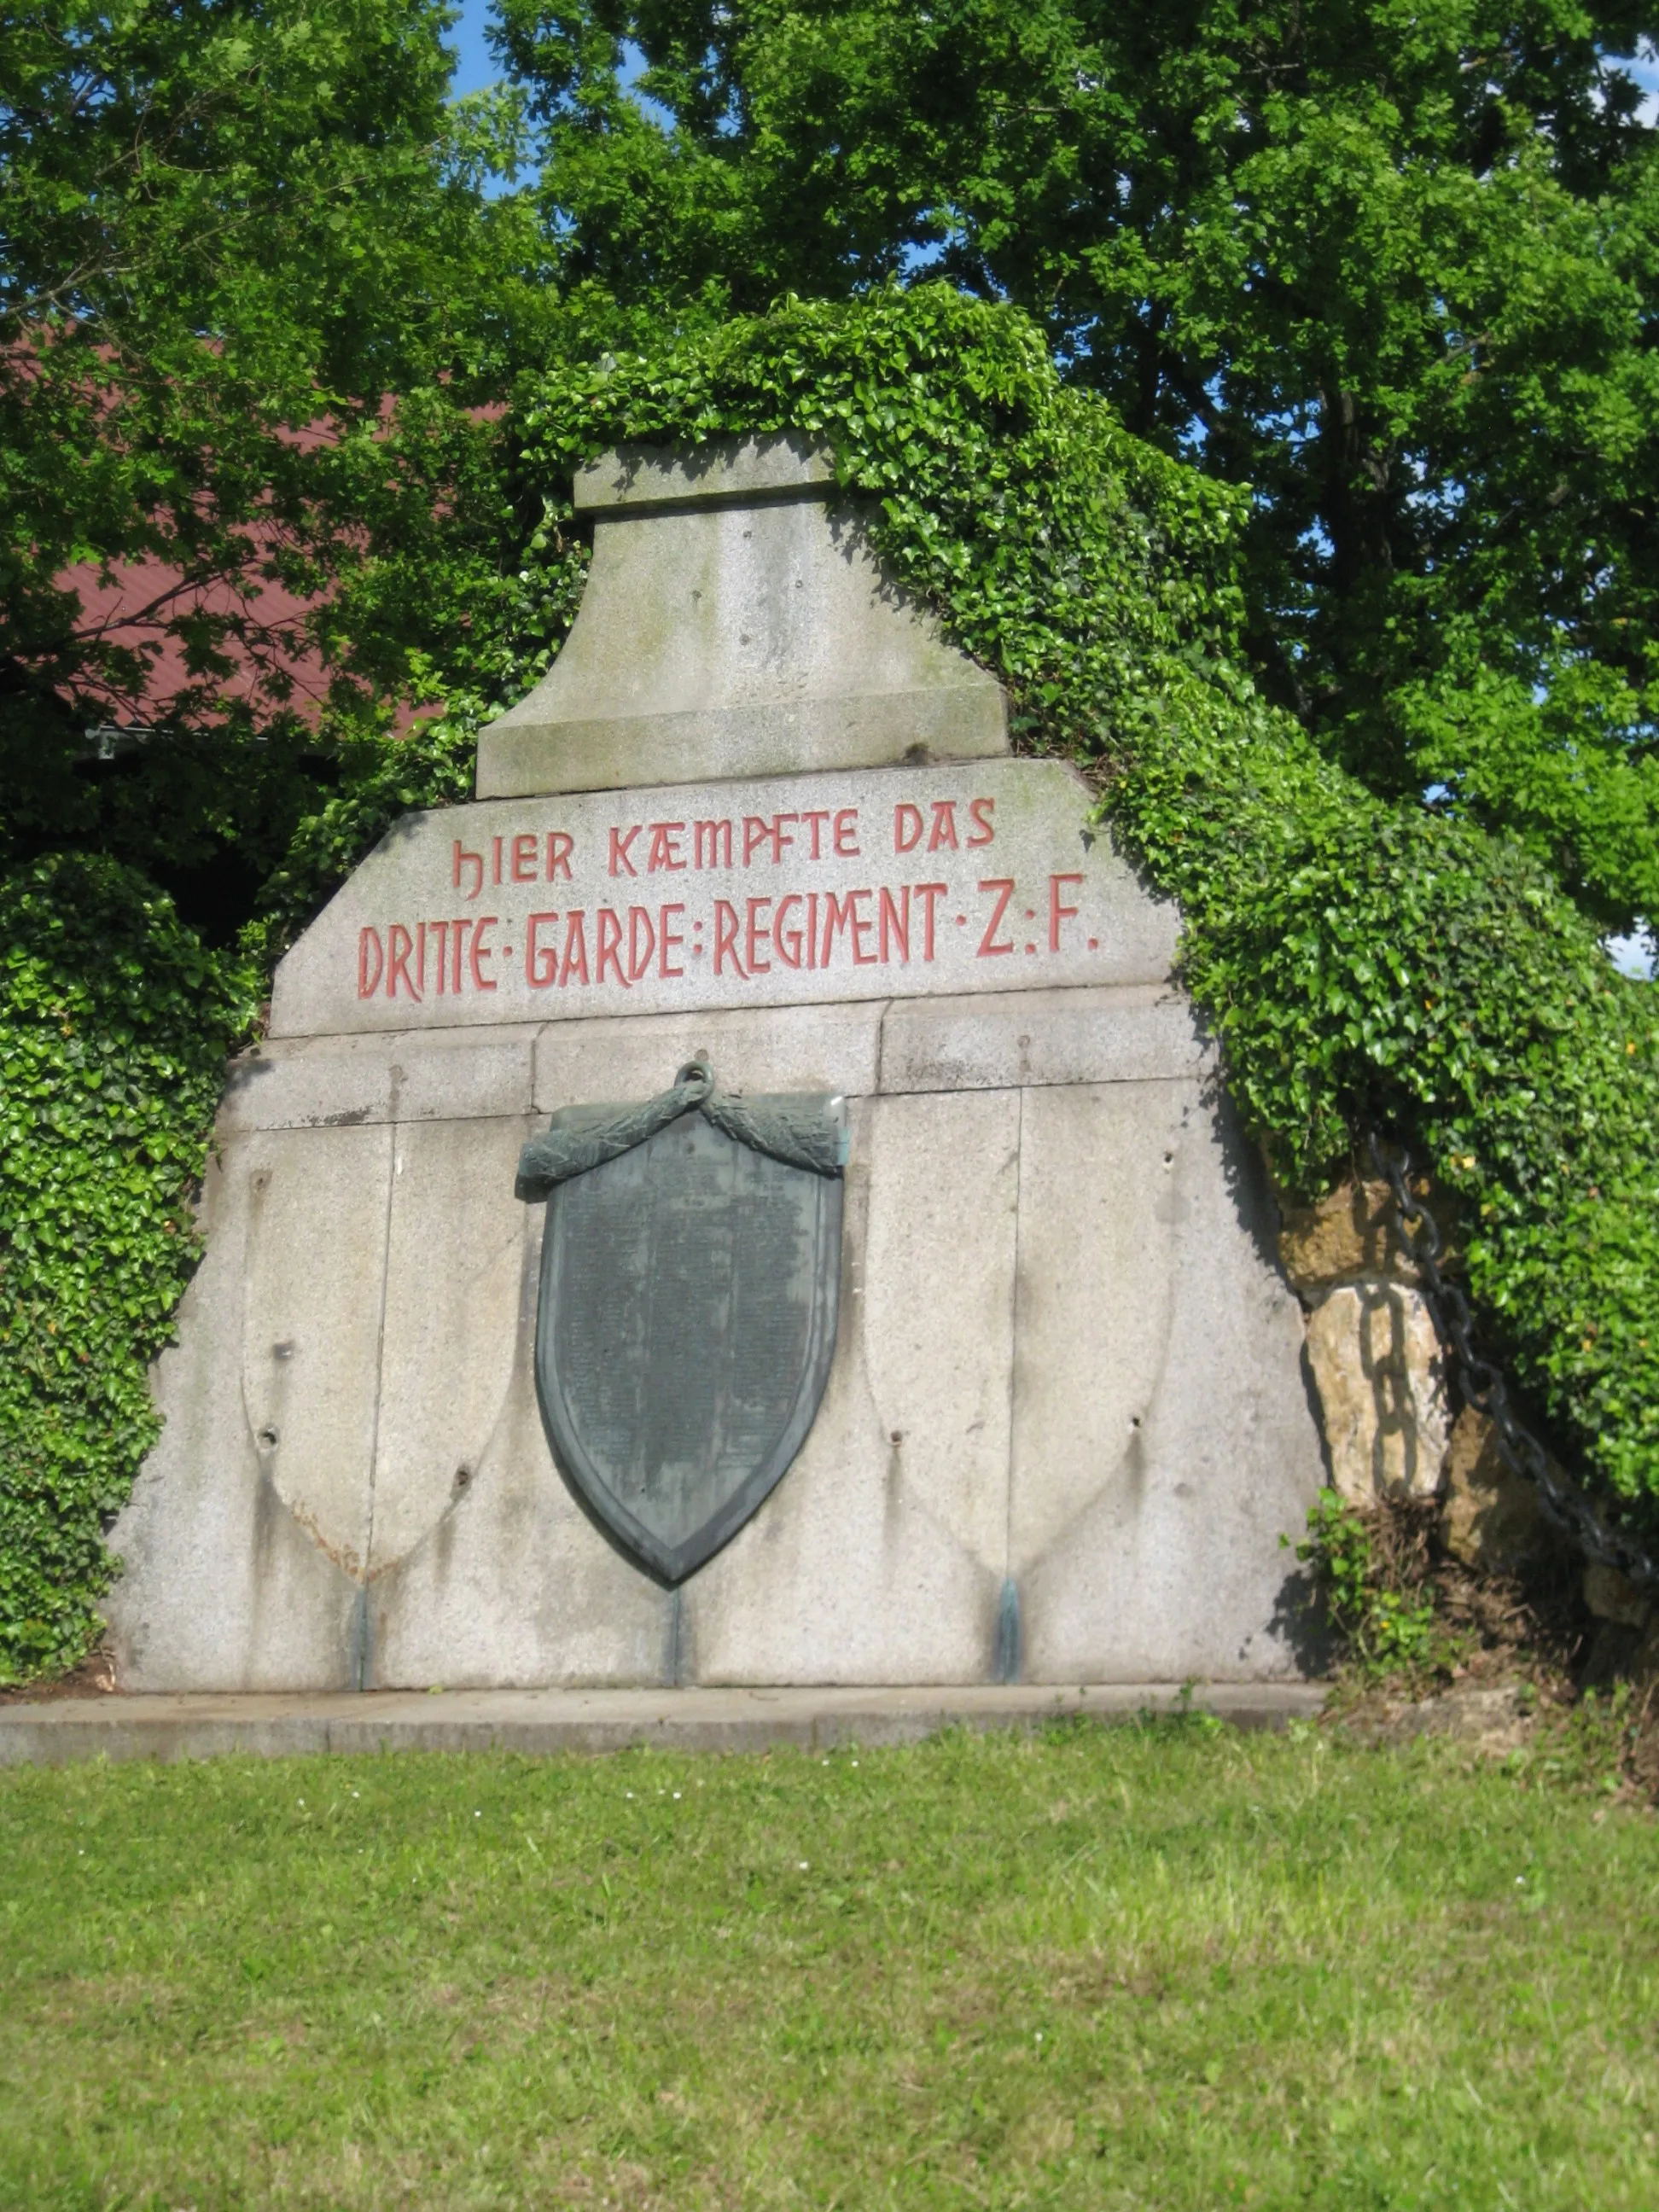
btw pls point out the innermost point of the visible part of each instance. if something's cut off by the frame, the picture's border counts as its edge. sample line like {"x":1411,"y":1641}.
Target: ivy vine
{"x":1365,"y":962}
{"x":114,"y":1025}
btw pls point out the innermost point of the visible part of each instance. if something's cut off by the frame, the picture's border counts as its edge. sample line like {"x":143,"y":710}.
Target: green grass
{"x":1165,"y":1967}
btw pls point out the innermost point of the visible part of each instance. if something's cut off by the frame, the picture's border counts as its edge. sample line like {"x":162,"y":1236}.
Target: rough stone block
{"x":726,"y":471}
{"x":1377,"y":1364}
{"x":459,"y":1075}
{"x":901,"y":882}
{"x":514,"y":1586}
{"x":1138,"y":1033}
{"x":1491,"y":1518}
{"x":349,"y":1082}
{"x":1612,"y":1597}
{"x":319,"y":1202}
{"x":833,"y":1049}
{"x":308,"y":1083}
{"x":1064,"y":1356}
{"x":1353,"y":1231}
{"x":455,"y":1254}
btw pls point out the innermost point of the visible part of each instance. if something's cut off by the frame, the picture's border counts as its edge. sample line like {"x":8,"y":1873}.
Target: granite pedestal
{"x":1067,"y":1421}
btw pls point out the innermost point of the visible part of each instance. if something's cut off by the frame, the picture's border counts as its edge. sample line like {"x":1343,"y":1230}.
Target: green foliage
{"x":1400,"y":974}
{"x":1365,"y":963}
{"x":1384,"y":1630}
{"x":251,"y":289}
{"x":114,"y":1024}
{"x":1395,"y":270}
{"x":521,"y":620}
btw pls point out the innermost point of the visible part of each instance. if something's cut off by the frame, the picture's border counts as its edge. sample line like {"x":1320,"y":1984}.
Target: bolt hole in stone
{"x":897,"y":1437}
{"x":268,"y":1439}
{"x":463,"y":1476}
{"x":282,"y":1351}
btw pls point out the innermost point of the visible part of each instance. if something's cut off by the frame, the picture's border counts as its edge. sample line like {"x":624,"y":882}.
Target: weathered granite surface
{"x":810,"y":889}
{"x":735,"y":623}
{"x":1379,"y":1369}
{"x":1378,"y":1365}
{"x":536,"y":1723}
{"x":1490,"y":1518}
{"x":1067,"y":1362}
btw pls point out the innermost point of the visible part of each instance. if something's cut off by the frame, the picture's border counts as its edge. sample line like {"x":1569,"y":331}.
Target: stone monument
{"x":759,"y":832}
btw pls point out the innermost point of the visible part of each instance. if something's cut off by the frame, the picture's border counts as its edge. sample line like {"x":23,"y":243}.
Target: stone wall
{"x":1393,"y":1426}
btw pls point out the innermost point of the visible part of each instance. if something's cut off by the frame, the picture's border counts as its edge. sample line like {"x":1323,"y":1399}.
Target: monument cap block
{"x":731,"y":472}
{"x":736,"y":623}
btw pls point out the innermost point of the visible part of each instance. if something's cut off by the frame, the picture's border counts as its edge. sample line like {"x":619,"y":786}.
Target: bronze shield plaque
{"x":688,"y":1307}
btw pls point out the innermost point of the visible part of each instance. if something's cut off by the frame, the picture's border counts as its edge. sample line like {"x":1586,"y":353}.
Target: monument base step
{"x":204,"y":1724}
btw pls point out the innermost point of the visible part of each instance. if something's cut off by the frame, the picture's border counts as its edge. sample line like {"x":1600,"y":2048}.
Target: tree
{"x":1395,"y":269}
{"x":252,"y":295}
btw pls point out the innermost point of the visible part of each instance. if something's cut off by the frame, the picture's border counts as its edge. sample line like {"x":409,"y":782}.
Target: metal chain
{"x":1485,"y":1389}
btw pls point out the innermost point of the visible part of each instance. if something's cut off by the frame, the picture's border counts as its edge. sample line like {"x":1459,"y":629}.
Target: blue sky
{"x":475,"y":68}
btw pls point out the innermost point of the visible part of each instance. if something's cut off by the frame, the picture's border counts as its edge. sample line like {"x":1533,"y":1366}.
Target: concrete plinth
{"x":540,"y":1722}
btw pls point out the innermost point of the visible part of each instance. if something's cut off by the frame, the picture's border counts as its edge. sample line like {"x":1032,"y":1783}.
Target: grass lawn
{"x":1161,"y":1966}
